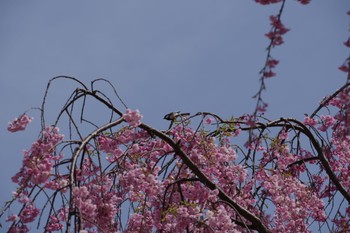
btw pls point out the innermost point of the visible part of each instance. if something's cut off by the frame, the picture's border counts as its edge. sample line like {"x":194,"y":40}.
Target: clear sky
{"x":163,"y":56}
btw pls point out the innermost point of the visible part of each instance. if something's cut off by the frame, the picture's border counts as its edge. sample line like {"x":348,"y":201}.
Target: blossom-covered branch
{"x":194,"y":176}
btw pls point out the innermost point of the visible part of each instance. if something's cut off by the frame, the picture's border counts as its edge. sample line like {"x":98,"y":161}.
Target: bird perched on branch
{"x":173,"y":116}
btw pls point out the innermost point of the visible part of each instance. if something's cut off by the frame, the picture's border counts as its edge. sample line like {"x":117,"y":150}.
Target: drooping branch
{"x":322,"y":158}
{"x":256,"y":222}
{"x":81,"y":147}
{"x":329,"y":98}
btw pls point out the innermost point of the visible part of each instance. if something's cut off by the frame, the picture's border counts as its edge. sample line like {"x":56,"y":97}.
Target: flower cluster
{"x":36,"y":170}
{"x":97,"y":205}
{"x":345,"y":67}
{"x":293,"y":202}
{"x":276,"y":37}
{"x":342,"y":103}
{"x":163,"y":192}
{"x":133,"y":117}
{"x":20,"y":123}
{"x":177,"y":209}
{"x":277,"y":31}
{"x":327,"y":121}
{"x":54,"y":224}
{"x":29,"y":213}
{"x":310,"y":121}
{"x":39,"y":160}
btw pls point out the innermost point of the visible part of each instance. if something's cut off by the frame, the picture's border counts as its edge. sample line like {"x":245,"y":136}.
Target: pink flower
{"x":107,"y":144}
{"x":344,"y":68}
{"x":12,"y":218}
{"x":327,"y":121}
{"x":310,"y":121}
{"x":29,"y":214}
{"x":270,"y":35}
{"x":347,"y":43}
{"x":209,"y":120}
{"x":266,"y":2}
{"x":54,"y":224}
{"x":278,"y":25}
{"x":133,"y":117}
{"x":304,"y":2}
{"x":277,"y":30}
{"x":269,"y":74}
{"x":19,"y":124}
{"x":22,"y":198}
{"x":262,"y":107}
{"x":38,"y":162}
{"x":271,"y":63}
{"x":213,"y":195}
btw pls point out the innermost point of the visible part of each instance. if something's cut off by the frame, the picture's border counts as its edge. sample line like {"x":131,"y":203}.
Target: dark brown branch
{"x":322,"y":158}
{"x":329,"y":98}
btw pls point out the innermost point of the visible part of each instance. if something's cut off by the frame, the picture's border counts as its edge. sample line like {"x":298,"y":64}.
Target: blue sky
{"x":163,"y":56}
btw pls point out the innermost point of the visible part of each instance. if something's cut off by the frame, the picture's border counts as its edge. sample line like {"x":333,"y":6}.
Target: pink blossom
{"x":271,"y":35}
{"x":269,"y":74}
{"x":12,"y":218}
{"x":271,"y":63}
{"x":38,"y":162}
{"x":29,"y":213}
{"x":304,"y":2}
{"x":97,"y":204}
{"x":266,"y":2}
{"x":54,"y":224}
{"x":310,"y":121}
{"x":283,"y":135}
{"x":107,"y":144}
{"x":276,"y":32}
{"x":19,"y":124}
{"x":22,"y":198}
{"x":237,"y":132}
{"x":344,"y":68}
{"x":165,"y":194}
{"x":213,"y":195}
{"x":262,"y":107}
{"x":209,"y":120}
{"x":327,"y":121}
{"x":347,"y":43}
{"x":279,"y":28}
{"x":133,"y":117}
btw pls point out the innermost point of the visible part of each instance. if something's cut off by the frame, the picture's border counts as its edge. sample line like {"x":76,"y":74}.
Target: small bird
{"x":173,"y":115}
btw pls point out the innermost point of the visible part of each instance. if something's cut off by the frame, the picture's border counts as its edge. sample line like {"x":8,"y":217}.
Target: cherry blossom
{"x":184,"y":178}
{"x":277,"y":31}
{"x":304,"y":2}
{"x":20,"y":123}
{"x":310,"y":121}
{"x":133,"y":117}
{"x":266,"y":2}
